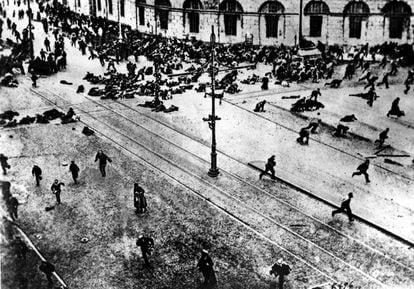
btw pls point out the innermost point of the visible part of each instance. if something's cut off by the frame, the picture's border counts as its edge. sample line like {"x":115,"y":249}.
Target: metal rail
{"x":238,"y":200}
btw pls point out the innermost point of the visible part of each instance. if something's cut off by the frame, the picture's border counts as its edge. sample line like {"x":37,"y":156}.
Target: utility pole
{"x":212,"y":118}
{"x":31,"y":50}
{"x":214,"y":171}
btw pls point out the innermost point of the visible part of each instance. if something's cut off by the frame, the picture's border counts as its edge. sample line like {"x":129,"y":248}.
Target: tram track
{"x":241,"y":180}
{"x":296,"y":187}
{"x":121,"y":112}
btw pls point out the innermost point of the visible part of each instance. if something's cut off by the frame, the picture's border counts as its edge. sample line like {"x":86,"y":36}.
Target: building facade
{"x":263,"y":22}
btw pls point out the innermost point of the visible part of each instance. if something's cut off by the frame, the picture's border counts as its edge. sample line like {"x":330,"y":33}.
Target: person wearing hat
{"x":362,"y":170}
{"x":147,"y":246}
{"x":4,"y":164}
{"x":270,"y":167}
{"x":74,"y":169}
{"x":56,"y":189}
{"x":37,"y":173}
{"x":345,"y":207}
{"x":140,"y":202}
{"x":205,"y":265}
{"x":281,"y":269}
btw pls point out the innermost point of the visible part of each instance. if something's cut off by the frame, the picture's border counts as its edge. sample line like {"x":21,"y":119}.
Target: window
{"x":162,"y":9}
{"x":396,"y":27}
{"x":398,"y":14}
{"x":193,"y":7}
{"x":272,"y":23}
{"x":273,"y":11}
{"x":194,"y":22}
{"x":316,"y":9}
{"x":163,"y":14}
{"x":141,"y":12}
{"x":232,"y":11}
{"x":99,"y":5}
{"x":357,"y":12}
{"x":230,"y":24}
{"x":122,"y":7}
{"x":79,"y":3}
{"x":355,"y":25}
{"x":110,"y":6}
{"x":315,"y":26}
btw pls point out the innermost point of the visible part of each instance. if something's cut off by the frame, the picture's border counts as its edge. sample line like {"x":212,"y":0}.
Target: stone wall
{"x":335,"y":26}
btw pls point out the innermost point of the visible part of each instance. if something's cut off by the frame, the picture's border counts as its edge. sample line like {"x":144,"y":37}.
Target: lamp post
{"x":214,"y":171}
{"x":119,"y":20}
{"x":31,"y":50}
{"x":157,"y":61}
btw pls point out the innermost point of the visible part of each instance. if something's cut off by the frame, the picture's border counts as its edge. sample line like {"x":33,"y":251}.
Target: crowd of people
{"x":99,"y":38}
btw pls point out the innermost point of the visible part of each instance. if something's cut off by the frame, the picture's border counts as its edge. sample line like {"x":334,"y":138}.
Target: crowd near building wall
{"x":265,"y":22}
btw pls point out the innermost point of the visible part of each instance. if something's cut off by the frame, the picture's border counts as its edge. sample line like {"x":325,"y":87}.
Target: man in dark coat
{"x":74,"y":169}
{"x":103,"y":159}
{"x":47,"y":44}
{"x":260,"y":106}
{"x":345,"y":208}
{"x":34,"y":79}
{"x":205,"y":265}
{"x":56,"y":189}
{"x":270,"y":167}
{"x":315,"y":94}
{"x":281,"y":269}
{"x":147,"y":246}
{"x":48,"y":270}
{"x":37,"y":172}
{"x":4,"y":164}
{"x":362,"y":170}
{"x":383,"y":136}
{"x":395,"y":108}
{"x":140,"y":202}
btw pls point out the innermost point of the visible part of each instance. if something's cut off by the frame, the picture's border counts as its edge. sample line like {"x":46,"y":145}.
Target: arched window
{"x":399,"y":14}
{"x":272,"y":11}
{"x":232,"y":11}
{"x":192,"y":7}
{"x":357,"y":11}
{"x":141,"y":11}
{"x":162,"y":9}
{"x":316,"y":9}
